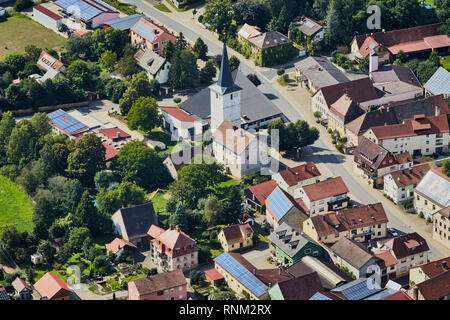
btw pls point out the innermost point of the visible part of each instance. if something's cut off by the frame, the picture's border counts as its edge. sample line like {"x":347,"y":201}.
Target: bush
{"x":177,"y":100}
{"x":329,"y":131}
{"x":280,"y":71}
{"x":23,"y":4}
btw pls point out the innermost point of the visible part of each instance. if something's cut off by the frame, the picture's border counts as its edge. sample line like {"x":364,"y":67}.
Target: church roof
{"x":225,"y":84}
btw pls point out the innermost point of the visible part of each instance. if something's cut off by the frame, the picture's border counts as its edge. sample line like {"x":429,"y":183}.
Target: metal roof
{"x":85,"y":9}
{"x":250,"y":281}
{"x":439,"y":83}
{"x":436,"y":188}
{"x":278,"y":203}
{"x":66,"y":122}
{"x":127,"y":22}
{"x":319,"y":296}
{"x":144,"y":30}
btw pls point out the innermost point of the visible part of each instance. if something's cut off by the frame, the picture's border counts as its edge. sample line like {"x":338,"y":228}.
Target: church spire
{"x":225,"y":78}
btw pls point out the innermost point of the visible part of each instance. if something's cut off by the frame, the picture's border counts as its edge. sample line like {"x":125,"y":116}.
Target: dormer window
{"x":231,"y":96}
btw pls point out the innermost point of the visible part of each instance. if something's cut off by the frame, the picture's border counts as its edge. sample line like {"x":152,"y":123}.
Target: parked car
{"x":393,"y":232}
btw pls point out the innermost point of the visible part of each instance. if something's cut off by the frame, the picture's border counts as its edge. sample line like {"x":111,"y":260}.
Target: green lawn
{"x":445,"y":62}
{"x":162,"y":7}
{"x":19,"y":31}
{"x":16,"y":207}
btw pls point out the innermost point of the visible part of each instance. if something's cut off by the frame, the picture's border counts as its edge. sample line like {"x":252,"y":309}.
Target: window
{"x":180,"y":288}
{"x":307,"y":251}
{"x":171,"y":290}
{"x":166,"y":291}
{"x":181,"y":296}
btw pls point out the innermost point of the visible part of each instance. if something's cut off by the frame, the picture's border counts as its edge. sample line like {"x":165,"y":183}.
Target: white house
{"x":399,"y":185}
{"x":180,"y":124}
{"x":419,"y":136}
{"x":291,"y":179}
{"x":156,"y":66}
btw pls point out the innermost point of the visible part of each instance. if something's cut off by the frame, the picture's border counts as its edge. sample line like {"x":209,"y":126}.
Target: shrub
{"x":329,"y":130}
{"x":420,"y":215}
{"x":177,"y":100}
{"x":280,"y":71}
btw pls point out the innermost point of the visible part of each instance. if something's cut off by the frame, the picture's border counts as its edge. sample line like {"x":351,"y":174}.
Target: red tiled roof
{"x":325,"y":189}
{"x":235,"y":233}
{"x":407,"y":245}
{"x":300,"y":173}
{"x":118,"y":244}
{"x":413,"y":127}
{"x":111,"y":152}
{"x":435,"y":267}
{"x":179,"y":114}
{"x":404,"y":157}
{"x":159,"y":282}
{"x":48,"y":62}
{"x":436,"y":287}
{"x":52,"y":287}
{"x":407,"y":177}
{"x":47,"y":12}
{"x":439,"y":41}
{"x":213,"y":274}
{"x":399,"y":295}
{"x":386,"y":257}
{"x":20,"y":285}
{"x":114,"y":134}
{"x":263,"y":190}
{"x":155,"y":231}
{"x":175,"y":242}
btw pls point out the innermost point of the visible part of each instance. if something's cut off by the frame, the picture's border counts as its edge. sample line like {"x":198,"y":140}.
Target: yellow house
{"x":441,"y":226}
{"x":343,"y":111}
{"x":426,"y":271}
{"x":236,"y":237}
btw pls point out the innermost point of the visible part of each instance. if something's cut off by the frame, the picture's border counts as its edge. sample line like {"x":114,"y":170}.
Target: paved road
{"x":321,"y":153}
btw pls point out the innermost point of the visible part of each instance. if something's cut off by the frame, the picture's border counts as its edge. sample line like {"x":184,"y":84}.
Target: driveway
{"x":258,"y":256}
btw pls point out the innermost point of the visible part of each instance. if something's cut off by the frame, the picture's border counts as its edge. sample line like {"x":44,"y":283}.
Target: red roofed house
{"x":428,"y":270}
{"x":52,"y":287}
{"x":419,"y":136}
{"x":293,"y":178}
{"x":415,"y":42}
{"x":330,"y":194}
{"x":236,"y":237}
{"x":119,"y":246}
{"x":113,"y":139}
{"x":52,"y":66}
{"x":22,"y":288}
{"x":436,"y":288}
{"x":179,"y":123}
{"x":256,"y":195}
{"x":172,"y":249}
{"x":47,"y":18}
{"x":164,"y":286}
{"x":359,"y":224}
{"x":150,"y":36}
{"x":213,"y":276}
{"x":408,"y":251}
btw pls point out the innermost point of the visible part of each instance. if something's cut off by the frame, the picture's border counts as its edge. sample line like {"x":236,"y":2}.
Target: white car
{"x":393,"y":232}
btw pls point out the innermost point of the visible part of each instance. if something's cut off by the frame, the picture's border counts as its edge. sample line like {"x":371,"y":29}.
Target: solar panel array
{"x":3,"y":294}
{"x":65,"y":122}
{"x":360,"y":291}
{"x":241,"y":274}
{"x":144,"y":31}
{"x":319,"y":296}
{"x":278,"y":204}
{"x":85,"y":9}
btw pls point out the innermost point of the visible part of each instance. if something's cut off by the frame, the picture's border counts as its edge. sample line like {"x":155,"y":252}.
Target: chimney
{"x":270,"y":285}
{"x":177,"y":228}
{"x":416,"y":293}
{"x":254,"y":271}
{"x":171,"y":227}
{"x":437,"y":111}
{"x":118,"y":134}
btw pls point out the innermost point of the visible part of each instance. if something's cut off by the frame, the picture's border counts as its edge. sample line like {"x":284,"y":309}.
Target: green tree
{"x":144,"y":115}
{"x":183,"y":72}
{"x":168,"y":50}
{"x":114,"y":89}
{"x":15,"y":62}
{"x":218,"y":14}
{"x":446,"y":167}
{"x":77,"y":237}
{"x":127,"y":100}
{"x":208,"y":73}
{"x":7,"y":124}
{"x":213,"y":211}
{"x":108,"y":60}
{"x":234,"y":63}
{"x":46,"y":250}
{"x":179,"y":218}
{"x":127,"y":66}
{"x":200,"y":49}
{"x":103,"y":179}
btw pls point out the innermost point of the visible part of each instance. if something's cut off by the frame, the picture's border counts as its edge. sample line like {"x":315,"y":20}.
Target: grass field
{"x":162,"y":7}
{"x":15,"y":207}
{"x":19,"y":31}
{"x":445,"y":62}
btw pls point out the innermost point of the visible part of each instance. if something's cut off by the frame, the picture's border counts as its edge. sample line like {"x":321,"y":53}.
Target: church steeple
{"x":225,"y":79}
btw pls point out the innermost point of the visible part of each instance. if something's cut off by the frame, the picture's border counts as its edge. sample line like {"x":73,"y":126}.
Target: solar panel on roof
{"x":319,"y":296}
{"x":360,"y":291}
{"x":65,"y":121}
{"x":252,"y":283}
{"x":279,"y":204}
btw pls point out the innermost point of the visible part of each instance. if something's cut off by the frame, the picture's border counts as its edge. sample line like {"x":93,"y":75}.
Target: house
{"x":432,"y":193}
{"x":113,"y":139}
{"x":149,"y":36}
{"x":180,"y":124}
{"x":414,"y":42}
{"x":172,"y":249}
{"x":426,"y":271}
{"x":282,"y":207}
{"x":256,"y":195}
{"x":358,"y":289}
{"x":132,"y":223}
{"x":373,"y":162}
{"x":170,"y":285}
{"x":319,"y":72}
{"x":330,"y":194}
{"x":119,"y":246}
{"x":439,"y":83}
{"x":441,"y":226}
{"x":407,"y":251}
{"x":179,"y":159}
{"x":268,"y":48}
{"x":213,"y":276}
{"x":124,"y":23}
{"x":52,"y":287}
{"x":360,"y":224}
{"x":241,"y":275}
{"x":22,"y":288}
{"x":236,"y":237}
{"x":419,"y":136}
{"x":248,"y":104}
{"x":301,"y":288}
{"x":394,"y":113}
{"x":399,"y":185}
{"x":393,"y":83}
{"x":288,"y":245}
{"x":291,"y":179}
{"x":47,"y":18}
{"x":91,"y":14}
{"x":329,"y":274}
{"x":3,"y":294}
{"x":156,"y":66}
{"x":360,"y":90}
{"x":436,"y":288}
{"x":37,"y":258}
{"x":354,"y":257}
{"x":391,"y":291}
{"x":238,"y":150}
{"x":312,"y":30}
{"x":343,"y":111}
{"x":52,"y":66}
